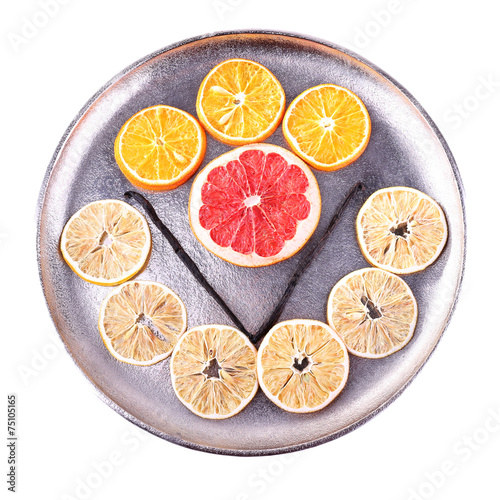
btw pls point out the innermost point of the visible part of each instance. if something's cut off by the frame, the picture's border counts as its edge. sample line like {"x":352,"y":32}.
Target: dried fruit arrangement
{"x":254,"y":206}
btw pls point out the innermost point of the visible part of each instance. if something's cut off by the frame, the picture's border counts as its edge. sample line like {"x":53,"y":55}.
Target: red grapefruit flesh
{"x":255,"y":205}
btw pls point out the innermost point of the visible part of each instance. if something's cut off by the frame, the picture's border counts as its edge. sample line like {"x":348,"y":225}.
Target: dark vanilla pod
{"x":185,"y":258}
{"x":195,"y":271}
{"x":304,"y":264}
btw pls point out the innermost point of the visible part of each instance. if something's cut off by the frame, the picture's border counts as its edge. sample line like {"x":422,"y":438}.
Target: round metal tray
{"x":405,"y":149}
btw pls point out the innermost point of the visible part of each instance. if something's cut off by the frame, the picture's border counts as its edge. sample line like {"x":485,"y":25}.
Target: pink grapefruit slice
{"x":255,"y":205}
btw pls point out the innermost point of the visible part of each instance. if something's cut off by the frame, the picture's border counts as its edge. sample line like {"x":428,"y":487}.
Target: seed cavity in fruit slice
{"x":160,"y":147}
{"x":213,"y":371}
{"x":141,"y":321}
{"x":240,"y":102}
{"x":373,"y":311}
{"x":327,"y":126}
{"x":255,"y":205}
{"x":302,"y":365}
{"x":401,"y":230}
{"x":106,"y":242}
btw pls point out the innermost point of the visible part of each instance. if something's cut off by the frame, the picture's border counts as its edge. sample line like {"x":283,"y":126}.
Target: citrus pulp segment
{"x":373,"y":311}
{"x":141,"y":321}
{"x":327,"y":126}
{"x":240,"y":102}
{"x":213,"y":371}
{"x":401,"y":230}
{"x":302,"y":365}
{"x":106,"y":242}
{"x":255,"y":205}
{"x":160,"y":147}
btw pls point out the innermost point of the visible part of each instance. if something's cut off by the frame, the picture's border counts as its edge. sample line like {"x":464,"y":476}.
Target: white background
{"x":446,"y":53}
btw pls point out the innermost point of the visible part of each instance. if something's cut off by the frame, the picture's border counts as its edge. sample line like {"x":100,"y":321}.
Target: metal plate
{"x":405,"y":149}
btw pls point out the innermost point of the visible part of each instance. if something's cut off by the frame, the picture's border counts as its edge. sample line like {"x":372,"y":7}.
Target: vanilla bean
{"x":195,"y":271}
{"x":185,"y":258}
{"x":303,"y":265}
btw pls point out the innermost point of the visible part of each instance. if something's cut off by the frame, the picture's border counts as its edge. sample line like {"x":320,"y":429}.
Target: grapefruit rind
{"x":305,"y":228}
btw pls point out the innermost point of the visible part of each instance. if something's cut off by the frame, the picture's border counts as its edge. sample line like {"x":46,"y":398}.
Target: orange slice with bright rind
{"x":327,"y":126}
{"x":141,"y":321}
{"x":213,"y":371}
{"x":373,"y":311}
{"x":160,"y":147}
{"x":302,"y":365}
{"x":401,"y":230}
{"x":240,"y":102}
{"x":106,"y":242}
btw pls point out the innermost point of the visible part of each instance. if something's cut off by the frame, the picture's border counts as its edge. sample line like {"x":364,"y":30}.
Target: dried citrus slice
{"x":106,"y":242}
{"x":401,"y":230}
{"x":240,"y":102}
{"x":373,"y":311}
{"x":141,"y":321}
{"x":160,"y":147}
{"x":302,"y":365}
{"x":255,"y":205}
{"x":327,"y":126}
{"x":213,"y":371}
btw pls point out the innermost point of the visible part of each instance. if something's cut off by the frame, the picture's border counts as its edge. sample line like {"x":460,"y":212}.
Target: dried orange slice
{"x":160,"y":147}
{"x":240,"y":102}
{"x":106,"y":242}
{"x":213,"y":371}
{"x":141,"y":321}
{"x":327,"y":126}
{"x":255,"y":205}
{"x":401,"y":230}
{"x":373,"y":311}
{"x":302,"y":365}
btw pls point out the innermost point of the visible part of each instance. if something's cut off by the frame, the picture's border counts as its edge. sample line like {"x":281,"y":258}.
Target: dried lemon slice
{"x":213,"y":371}
{"x":373,"y":311}
{"x":141,"y":321}
{"x":106,"y":242}
{"x":401,"y":230}
{"x":302,"y":365}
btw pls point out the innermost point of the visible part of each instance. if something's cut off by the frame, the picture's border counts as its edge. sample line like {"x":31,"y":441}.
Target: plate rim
{"x":290,"y":34}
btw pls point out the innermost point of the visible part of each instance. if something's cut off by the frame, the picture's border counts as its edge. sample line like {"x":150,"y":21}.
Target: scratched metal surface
{"x":405,"y":149}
